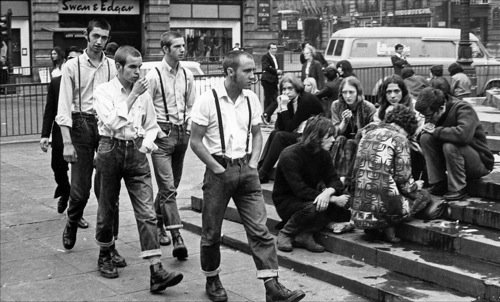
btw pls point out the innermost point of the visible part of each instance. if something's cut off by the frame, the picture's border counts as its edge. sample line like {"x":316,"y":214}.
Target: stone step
{"x":476,"y":211}
{"x":374,"y":282}
{"x":490,"y":119}
{"x":457,"y":271}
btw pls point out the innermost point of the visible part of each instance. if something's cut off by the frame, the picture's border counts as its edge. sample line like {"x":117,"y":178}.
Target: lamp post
{"x":464,"y":48}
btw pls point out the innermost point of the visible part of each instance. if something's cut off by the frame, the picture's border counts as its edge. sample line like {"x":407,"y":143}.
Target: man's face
{"x":350,"y":94}
{"x":177,"y":49}
{"x":130,"y":71}
{"x":434,"y":116}
{"x":97,"y":39}
{"x":273,"y":49}
{"x":400,"y":50}
{"x":244,"y":75}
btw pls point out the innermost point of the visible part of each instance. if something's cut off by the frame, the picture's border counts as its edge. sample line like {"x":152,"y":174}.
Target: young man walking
{"x":127,"y":126}
{"x":172,"y":88}
{"x":226,"y":137}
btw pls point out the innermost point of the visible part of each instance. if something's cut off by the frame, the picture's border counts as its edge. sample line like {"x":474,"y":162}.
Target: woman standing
{"x":311,"y":67}
{"x":57,"y":57}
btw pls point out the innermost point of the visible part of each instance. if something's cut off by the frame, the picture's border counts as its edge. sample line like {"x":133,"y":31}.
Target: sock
{"x":268,"y":279}
{"x":154,"y":260}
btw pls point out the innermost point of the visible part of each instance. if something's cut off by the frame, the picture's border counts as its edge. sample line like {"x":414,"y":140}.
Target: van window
{"x":476,"y":50}
{"x":331,"y":47}
{"x":338,"y":49}
{"x":414,"y":47}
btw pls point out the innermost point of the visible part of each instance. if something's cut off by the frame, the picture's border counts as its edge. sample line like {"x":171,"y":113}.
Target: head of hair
{"x":73,"y":49}
{"x":346,"y":68}
{"x":455,"y":68}
{"x":317,"y":127}
{"x":353,"y":81}
{"x":404,"y":117}
{"x":99,"y":22}
{"x":442,"y":84}
{"x":407,"y":72}
{"x":331,"y":72}
{"x":310,"y":48}
{"x":312,"y":82}
{"x":430,"y":98}
{"x":382,"y":95}
{"x":437,"y":70}
{"x":270,"y":44}
{"x":295,"y":81}
{"x":303,"y":44}
{"x":232,"y":60}
{"x":60,"y":56}
{"x":397,"y":46}
{"x":111,"y":48}
{"x":167,"y":37}
{"x":123,"y":52}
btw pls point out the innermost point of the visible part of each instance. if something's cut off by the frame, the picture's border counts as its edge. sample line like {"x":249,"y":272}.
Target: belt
{"x":224,"y":160}
{"x":83,"y":115}
{"x":120,"y":142}
{"x":179,"y":126}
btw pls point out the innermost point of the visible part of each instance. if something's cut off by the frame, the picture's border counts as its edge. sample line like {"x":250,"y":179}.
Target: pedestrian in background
{"x":312,"y":68}
{"x":57,"y":57}
{"x":110,"y":50}
{"x":399,"y":59}
{"x":460,"y":82}
{"x":269,"y":81}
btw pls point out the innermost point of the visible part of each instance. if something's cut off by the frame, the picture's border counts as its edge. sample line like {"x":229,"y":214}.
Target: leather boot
{"x":306,"y":240}
{"x":180,"y":251}
{"x":284,"y":242}
{"x":276,"y":291}
{"x":161,"y":279}
{"x":390,"y":235}
{"x":117,"y":259}
{"x":105,"y":264}
{"x":163,"y":236}
{"x":69,"y":236}
{"x":215,"y":290}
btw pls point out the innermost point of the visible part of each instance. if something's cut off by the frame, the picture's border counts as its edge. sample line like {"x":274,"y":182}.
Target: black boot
{"x":105,"y":264}
{"x":180,"y":250}
{"x":161,"y":279}
{"x":276,"y":291}
{"x":69,"y":235}
{"x":62,"y":203}
{"x":215,"y":290}
{"x":117,"y":259}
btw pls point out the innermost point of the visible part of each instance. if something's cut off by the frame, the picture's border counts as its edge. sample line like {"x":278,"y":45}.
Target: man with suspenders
{"x":226,"y":137}
{"x":172,"y":88}
{"x":76,"y":117}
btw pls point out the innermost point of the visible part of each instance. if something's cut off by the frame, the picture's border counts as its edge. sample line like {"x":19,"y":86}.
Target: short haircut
{"x":455,"y":68}
{"x":111,"y":48}
{"x":167,"y":37}
{"x":271,"y":44}
{"x":442,"y":84}
{"x":317,"y":127}
{"x":382,"y":95}
{"x":397,"y":46}
{"x":232,"y":59}
{"x":353,"y":81}
{"x":437,"y":70}
{"x":123,"y":52}
{"x":430,"y":98}
{"x":99,"y":22}
{"x":331,"y":72}
{"x":404,"y":117}
{"x":295,"y":81}
{"x":73,"y":49}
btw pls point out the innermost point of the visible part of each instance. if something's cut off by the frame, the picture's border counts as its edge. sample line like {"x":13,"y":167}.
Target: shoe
{"x":180,"y":250}
{"x":306,"y":240}
{"x":284,"y":242}
{"x":161,"y":279}
{"x":276,"y":291}
{"x":265,"y":118}
{"x":69,"y":236}
{"x":163,"y":236}
{"x":390,"y":235}
{"x":453,"y":196}
{"x":215,"y":290}
{"x":106,"y":266}
{"x":117,"y":259}
{"x":83,"y":224}
{"x":439,"y":189}
{"x":62,"y":204}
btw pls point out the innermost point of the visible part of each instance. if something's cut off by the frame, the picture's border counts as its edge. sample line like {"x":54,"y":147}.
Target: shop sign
{"x":418,"y":11}
{"x":102,"y":7}
{"x":263,"y":13}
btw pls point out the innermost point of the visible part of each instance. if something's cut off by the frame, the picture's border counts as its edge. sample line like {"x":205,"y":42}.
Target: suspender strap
{"x":163,"y":94}
{"x":185,"y":95}
{"x":79,"y":85}
{"x":221,"y":129}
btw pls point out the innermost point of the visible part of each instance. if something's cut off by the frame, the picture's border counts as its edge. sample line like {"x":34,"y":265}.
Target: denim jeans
{"x":117,"y":159}
{"x":240,"y":182}
{"x":168,"y":161}
{"x":85,"y":138}
{"x":461,"y":162}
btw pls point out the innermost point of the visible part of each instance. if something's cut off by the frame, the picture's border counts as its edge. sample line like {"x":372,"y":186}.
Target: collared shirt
{"x":75,"y":84}
{"x":274,"y":60}
{"x":234,"y":120}
{"x":114,"y":118}
{"x":179,"y":92}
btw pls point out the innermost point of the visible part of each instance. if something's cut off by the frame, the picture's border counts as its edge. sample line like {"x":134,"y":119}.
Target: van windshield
{"x":414,"y":47}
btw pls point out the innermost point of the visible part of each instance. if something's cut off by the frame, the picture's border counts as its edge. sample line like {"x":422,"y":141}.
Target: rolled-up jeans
{"x":117,"y":159}
{"x":85,"y":138}
{"x":240,"y":182}
{"x":168,"y":162}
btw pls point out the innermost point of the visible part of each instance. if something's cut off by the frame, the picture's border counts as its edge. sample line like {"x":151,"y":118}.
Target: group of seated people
{"x":365,"y":165}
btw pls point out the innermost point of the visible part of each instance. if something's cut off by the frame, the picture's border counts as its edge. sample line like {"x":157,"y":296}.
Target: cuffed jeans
{"x":461,"y":162}
{"x":240,"y":182}
{"x":85,"y":138}
{"x":117,"y":159}
{"x":168,"y":162}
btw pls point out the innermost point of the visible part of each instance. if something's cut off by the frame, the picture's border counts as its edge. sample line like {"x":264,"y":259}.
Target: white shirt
{"x":115,"y":120}
{"x":234,"y":120}
{"x":274,"y":60}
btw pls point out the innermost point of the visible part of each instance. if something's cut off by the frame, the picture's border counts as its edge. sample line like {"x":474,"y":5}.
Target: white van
{"x":374,"y":46}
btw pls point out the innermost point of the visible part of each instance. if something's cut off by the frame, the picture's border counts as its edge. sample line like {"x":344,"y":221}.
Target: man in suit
{"x":270,"y":73}
{"x":398,"y":60}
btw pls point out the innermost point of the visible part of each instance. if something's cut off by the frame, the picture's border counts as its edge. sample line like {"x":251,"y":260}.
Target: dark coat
{"x":398,"y":63}
{"x":316,"y":72}
{"x":269,"y":70}
{"x":307,"y":106}
{"x":50,"y":113}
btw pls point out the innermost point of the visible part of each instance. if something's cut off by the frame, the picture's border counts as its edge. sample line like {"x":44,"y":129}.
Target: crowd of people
{"x":341,"y":160}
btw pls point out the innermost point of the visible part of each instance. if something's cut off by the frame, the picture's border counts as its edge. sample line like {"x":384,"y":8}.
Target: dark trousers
{"x":241,"y":183}
{"x":85,"y":138}
{"x":276,"y":142}
{"x":418,"y":169}
{"x":270,"y":95}
{"x":117,"y":159}
{"x":59,"y":165}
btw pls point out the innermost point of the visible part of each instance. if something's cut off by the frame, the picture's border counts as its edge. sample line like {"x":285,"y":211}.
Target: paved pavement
{"x":35,"y":266}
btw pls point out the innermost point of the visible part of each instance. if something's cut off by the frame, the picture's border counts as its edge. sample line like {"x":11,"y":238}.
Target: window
{"x":414,"y":47}
{"x":338,"y":49}
{"x":331,"y":47}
